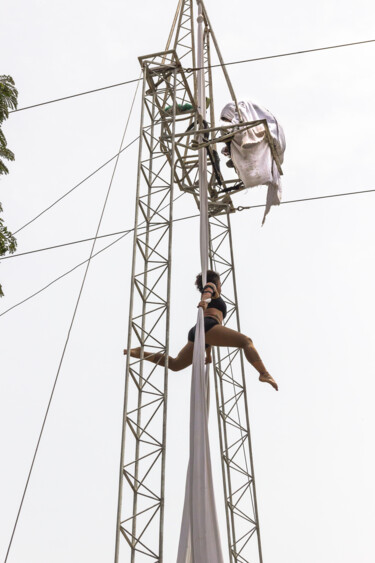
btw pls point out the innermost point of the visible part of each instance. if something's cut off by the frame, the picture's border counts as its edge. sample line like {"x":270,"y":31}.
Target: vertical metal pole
{"x":228,"y":80}
{"x":211,"y":86}
{"x":200,"y":62}
{"x":202,"y":151}
{"x":120,"y":489}
{"x":179,"y":7}
{"x":168,"y":316}
{"x":140,"y":394}
{"x":229,"y":486}
{"x":245,"y":392}
{"x":219,"y":426}
{"x":193,"y":48}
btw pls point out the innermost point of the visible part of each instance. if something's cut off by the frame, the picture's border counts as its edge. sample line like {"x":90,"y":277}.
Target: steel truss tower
{"x":167,"y":166}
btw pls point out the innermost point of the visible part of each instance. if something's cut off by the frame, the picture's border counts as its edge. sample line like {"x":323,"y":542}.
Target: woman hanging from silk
{"x":216,"y":334}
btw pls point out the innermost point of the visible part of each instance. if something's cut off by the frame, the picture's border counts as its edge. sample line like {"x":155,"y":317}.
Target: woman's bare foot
{"x":267,"y":378}
{"x":134,"y":352}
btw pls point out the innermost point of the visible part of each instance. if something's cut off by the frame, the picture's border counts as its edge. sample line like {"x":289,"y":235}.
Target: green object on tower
{"x":180,"y":108}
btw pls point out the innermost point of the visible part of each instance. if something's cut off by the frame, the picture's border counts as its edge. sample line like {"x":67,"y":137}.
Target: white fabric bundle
{"x":250,"y":150}
{"x":199,"y":537}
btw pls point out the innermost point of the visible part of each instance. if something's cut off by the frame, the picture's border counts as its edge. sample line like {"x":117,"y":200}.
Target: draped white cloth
{"x":250,"y":150}
{"x":199,"y":536}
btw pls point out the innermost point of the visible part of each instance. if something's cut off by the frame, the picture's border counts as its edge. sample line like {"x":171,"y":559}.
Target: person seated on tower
{"x":216,"y":334}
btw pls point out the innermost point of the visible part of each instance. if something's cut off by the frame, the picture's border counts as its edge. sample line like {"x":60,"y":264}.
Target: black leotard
{"x":210,"y":322}
{"x":219,"y":304}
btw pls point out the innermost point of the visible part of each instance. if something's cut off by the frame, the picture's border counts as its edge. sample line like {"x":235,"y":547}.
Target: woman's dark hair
{"x":211,"y":277}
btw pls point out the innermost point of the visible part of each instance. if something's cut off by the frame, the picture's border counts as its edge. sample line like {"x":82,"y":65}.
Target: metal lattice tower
{"x":168,"y":163}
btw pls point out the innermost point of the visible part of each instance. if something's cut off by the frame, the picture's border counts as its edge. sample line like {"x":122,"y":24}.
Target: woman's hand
{"x":211,"y":291}
{"x":203,"y":304}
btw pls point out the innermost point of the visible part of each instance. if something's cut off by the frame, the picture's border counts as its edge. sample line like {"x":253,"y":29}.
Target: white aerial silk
{"x":250,"y":150}
{"x":199,"y":536}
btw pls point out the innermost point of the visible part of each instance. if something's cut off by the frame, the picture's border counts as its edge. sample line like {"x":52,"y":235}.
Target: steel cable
{"x":76,"y":186}
{"x":70,"y":329}
{"x":292,"y":53}
{"x":239,"y":208}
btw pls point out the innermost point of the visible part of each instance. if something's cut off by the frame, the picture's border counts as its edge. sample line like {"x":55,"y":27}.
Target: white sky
{"x":305,"y":279}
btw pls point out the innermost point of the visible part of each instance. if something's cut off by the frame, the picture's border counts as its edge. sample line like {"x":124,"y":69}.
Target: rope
{"x":64,"y":244}
{"x":70,"y":328}
{"x":93,"y":256}
{"x":76,"y":95}
{"x":74,"y":187}
{"x":240,"y":208}
{"x":292,"y":53}
{"x":65,"y":274}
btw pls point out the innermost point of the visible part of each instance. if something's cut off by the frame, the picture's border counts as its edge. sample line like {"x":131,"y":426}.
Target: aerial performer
{"x":215,"y":310}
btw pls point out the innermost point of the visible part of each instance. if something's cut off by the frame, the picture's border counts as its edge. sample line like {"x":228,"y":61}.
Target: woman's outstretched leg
{"x":222,"y":336}
{"x":183,"y":359}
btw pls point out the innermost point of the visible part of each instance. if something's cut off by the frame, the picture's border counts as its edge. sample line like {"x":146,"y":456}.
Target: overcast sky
{"x":305,"y":279}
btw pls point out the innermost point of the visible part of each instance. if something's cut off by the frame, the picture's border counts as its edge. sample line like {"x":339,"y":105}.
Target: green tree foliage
{"x":8,"y":100}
